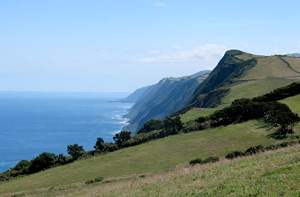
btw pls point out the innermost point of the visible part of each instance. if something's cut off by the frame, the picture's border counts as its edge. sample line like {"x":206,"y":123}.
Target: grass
{"x":253,"y":88}
{"x":272,"y":67}
{"x":153,"y":157}
{"x":273,"y":173}
{"x":196,"y":113}
{"x":293,"y":103}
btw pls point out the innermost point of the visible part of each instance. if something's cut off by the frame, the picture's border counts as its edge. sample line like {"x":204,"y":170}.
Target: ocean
{"x":36,"y":122}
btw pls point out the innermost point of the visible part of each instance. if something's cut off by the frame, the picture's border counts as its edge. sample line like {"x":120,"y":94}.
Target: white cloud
{"x":275,"y":40}
{"x":245,"y":46}
{"x":178,"y":47}
{"x":153,"y":51}
{"x":160,"y":4}
{"x":147,"y":59}
{"x":276,"y":51}
{"x":208,"y":55}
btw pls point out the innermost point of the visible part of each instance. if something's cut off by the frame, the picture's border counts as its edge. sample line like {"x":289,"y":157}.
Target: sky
{"x":122,"y":45}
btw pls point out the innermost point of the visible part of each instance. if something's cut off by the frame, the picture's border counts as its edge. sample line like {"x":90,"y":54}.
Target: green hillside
{"x":227,"y":82}
{"x":150,"y":158}
{"x":274,"y":173}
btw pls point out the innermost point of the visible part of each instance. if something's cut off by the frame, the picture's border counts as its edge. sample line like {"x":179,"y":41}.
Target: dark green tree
{"x":43,"y":161}
{"x":22,"y":166}
{"x":287,"y":121}
{"x":99,"y":146}
{"x":110,"y":147}
{"x":151,"y":125}
{"x":121,"y":137}
{"x":61,"y":159}
{"x":75,"y":151}
{"x":172,"y":125}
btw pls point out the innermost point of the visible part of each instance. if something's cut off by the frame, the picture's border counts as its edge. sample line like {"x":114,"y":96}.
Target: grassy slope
{"x":294,"y":103}
{"x":269,"y":73}
{"x":153,"y":157}
{"x":274,"y":173}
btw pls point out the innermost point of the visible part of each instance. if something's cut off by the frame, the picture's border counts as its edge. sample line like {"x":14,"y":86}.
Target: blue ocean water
{"x":36,"y":122}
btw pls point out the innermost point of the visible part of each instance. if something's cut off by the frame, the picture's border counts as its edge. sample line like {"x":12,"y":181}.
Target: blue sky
{"x":121,"y":45}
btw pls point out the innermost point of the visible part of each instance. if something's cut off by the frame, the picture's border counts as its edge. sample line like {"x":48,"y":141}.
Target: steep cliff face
{"x":134,"y":97}
{"x":230,"y":67}
{"x":163,"y":99}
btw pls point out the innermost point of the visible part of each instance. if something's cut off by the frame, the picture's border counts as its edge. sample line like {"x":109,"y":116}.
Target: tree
{"x":286,"y":120}
{"x":172,"y":125}
{"x":151,"y":125}
{"x":75,"y":151}
{"x":61,"y":159}
{"x":121,"y":137}
{"x":43,"y":161}
{"x":110,"y":147}
{"x":99,"y":146}
{"x":22,"y":165}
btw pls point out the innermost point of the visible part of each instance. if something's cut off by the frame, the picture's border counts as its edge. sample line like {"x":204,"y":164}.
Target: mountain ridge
{"x":162,"y":99}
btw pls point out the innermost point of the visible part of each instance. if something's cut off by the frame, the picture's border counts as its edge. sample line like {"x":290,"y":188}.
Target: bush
{"x":271,"y":147}
{"x":195,"y":161}
{"x":254,"y":150}
{"x":284,"y":144}
{"x":61,"y":159}
{"x":22,"y":166}
{"x":99,"y":179}
{"x":202,"y":119}
{"x":151,"y":125}
{"x":234,"y":154}
{"x":211,"y":159}
{"x":43,"y":161}
{"x":110,"y":147}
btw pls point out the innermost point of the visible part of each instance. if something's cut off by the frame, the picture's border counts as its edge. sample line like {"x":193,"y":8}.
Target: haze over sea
{"x":36,"y":122}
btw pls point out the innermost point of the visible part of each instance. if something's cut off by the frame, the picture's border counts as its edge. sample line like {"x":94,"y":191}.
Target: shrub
{"x":110,"y":147}
{"x":43,"y":161}
{"x":211,"y":159}
{"x":195,"y":161}
{"x":254,"y":150}
{"x":271,"y":147}
{"x":22,"y":166}
{"x":284,"y":144}
{"x":151,"y":125}
{"x":234,"y":154}
{"x":61,"y":159}
{"x":99,"y":179}
{"x":202,"y":119}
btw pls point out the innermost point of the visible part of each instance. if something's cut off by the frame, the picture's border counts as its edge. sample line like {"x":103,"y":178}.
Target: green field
{"x":153,"y":157}
{"x":293,"y":103}
{"x":274,"y":173}
{"x":195,"y":113}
